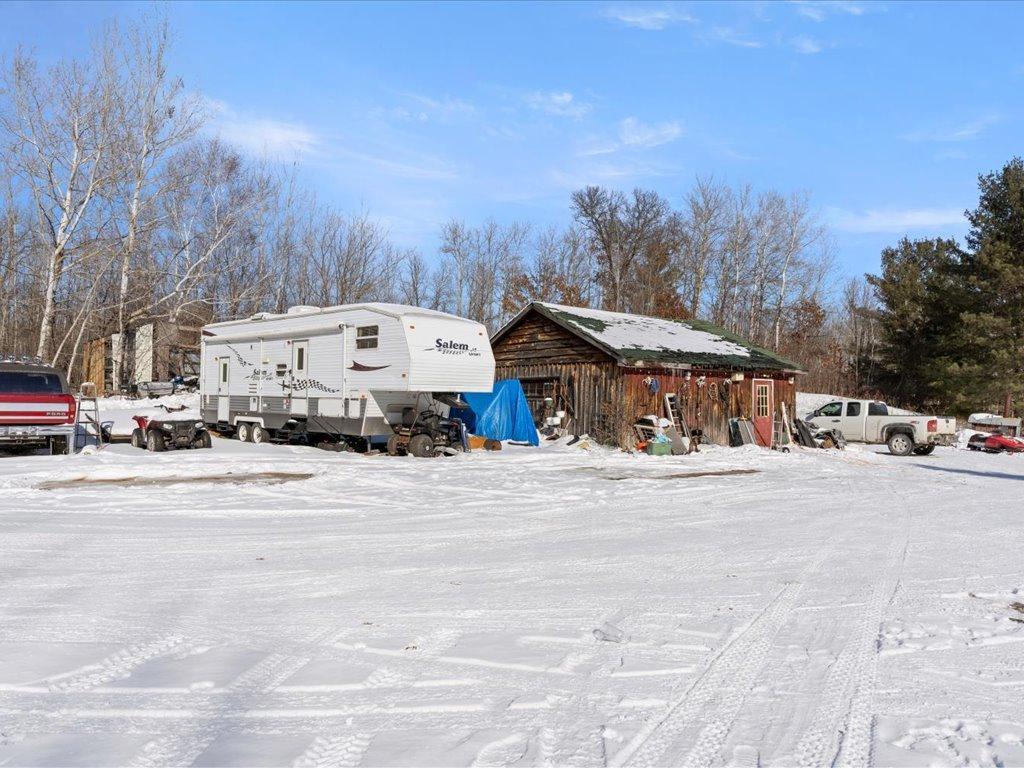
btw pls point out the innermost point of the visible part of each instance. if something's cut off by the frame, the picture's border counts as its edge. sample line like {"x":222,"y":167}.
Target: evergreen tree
{"x":919,"y":307}
{"x":993,"y":274}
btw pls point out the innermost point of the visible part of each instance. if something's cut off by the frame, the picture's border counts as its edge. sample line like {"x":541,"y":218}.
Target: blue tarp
{"x":501,"y":414}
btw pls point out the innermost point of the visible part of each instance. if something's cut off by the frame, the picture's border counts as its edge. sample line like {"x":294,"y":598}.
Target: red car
{"x":996,"y":444}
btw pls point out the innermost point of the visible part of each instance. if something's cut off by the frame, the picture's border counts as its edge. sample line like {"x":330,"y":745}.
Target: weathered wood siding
{"x":604,"y":398}
{"x":709,"y":398}
{"x":538,"y":340}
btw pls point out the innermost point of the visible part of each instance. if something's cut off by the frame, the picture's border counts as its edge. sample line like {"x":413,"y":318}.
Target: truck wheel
{"x":900,"y":444}
{"x":259,"y":434}
{"x":138,"y":438}
{"x":242,"y":432}
{"x":154,"y":442}
{"x":393,"y":445}
{"x":421,"y":446}
{"x":924,"y":450}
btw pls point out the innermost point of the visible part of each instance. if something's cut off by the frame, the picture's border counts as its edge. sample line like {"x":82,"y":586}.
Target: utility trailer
{"x":341,"y":373}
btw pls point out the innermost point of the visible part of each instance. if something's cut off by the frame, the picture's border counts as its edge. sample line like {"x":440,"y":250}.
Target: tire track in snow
{"x":334,"y":752}
{"x":117,"y":666}
{"x":734,"y":670}
{"x":732,"y":662}
{"x":188,"y":743}
{"x":841,"y":727}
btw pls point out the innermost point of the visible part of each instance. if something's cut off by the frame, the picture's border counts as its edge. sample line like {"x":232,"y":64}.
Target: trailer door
{"x":300,"y":378}
{"x":223,"y":387}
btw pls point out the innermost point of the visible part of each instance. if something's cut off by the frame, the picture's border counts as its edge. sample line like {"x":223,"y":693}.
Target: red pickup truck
{"x":36,"y":409}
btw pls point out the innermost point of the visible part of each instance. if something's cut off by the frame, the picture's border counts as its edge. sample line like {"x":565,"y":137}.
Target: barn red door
{"x":763,"y":409}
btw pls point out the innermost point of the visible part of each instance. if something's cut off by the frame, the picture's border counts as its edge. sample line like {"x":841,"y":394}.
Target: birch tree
{"x":153,"y":119}
{"x":59,"y":125}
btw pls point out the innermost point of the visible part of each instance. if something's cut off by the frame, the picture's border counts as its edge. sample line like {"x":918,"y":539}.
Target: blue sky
{"x":884,"y":112}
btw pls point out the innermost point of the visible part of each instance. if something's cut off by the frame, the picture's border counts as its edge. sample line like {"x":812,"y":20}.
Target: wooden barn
{"x":606,"y":369}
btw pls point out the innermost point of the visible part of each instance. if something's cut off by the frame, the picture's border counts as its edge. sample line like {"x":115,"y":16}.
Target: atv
{"x":427,"y":433}
{"x":163,"y":434}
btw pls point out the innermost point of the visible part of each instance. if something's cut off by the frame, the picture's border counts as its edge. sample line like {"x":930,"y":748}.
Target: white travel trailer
{"x":341,"y":372}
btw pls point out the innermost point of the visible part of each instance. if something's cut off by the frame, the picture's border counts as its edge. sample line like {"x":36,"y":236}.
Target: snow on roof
{"x":636,"y":338}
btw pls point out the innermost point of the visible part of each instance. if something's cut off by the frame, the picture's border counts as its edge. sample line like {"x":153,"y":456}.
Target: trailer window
{"x":366,"y":337}
{"x":30,"y":383}
{"x":224,"y":372}
{"x":853,"y":409}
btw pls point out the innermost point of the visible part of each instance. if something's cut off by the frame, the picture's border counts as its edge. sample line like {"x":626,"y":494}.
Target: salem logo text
{"x":449,"y":347}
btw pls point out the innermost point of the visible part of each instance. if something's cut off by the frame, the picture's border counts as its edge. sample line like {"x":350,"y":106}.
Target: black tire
{"x":138,"y":438}
{"x":258,"y":434}
{"x":900,"y":444}
{"x":421,"y":446}
{"x":203,"y":440}
{"x":154,"y":441}
{"x":243,"y":432}
{"x":392,"y":448}
{"x":924,"y":450}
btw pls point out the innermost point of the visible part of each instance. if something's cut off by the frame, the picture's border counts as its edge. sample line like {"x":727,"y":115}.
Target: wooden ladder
{"x":675,"y":414}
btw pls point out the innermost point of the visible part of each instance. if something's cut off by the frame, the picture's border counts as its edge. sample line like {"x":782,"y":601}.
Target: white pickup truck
{"x":869,"y":421}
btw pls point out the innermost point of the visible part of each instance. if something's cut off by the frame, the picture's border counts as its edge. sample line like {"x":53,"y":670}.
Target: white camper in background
{"x":338,"y":372}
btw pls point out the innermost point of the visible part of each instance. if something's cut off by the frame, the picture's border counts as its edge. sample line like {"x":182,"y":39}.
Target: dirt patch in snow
{"x":684,"y":475}
{"x":234,"y":478}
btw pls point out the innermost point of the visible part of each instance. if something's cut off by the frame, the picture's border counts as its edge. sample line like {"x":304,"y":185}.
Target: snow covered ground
{"x":120,"y":410}
{"x":549,"y":606}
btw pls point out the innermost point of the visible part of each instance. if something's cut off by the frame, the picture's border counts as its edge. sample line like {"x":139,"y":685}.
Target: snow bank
{"x":811,"y":401}
{"x":964,"y":435}
{"x":120,"y":410}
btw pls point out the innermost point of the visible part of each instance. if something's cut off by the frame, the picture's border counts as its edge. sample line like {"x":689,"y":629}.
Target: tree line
{"x":951,"y":316}
{"x":118,"y":207}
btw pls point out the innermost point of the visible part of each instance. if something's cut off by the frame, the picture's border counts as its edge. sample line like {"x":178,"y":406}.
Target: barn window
{"x":366,"y":336}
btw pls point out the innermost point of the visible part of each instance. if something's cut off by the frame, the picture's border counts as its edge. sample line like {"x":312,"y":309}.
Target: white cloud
{"x":806,"y":45}
{"x":261,"y":135}
{"x":646,"y":17}
{"x":561,"y":103}
{"x":633,"y":133}
{"x":421,"y":109}
{"x":731,"y":36}
{"x":962,"y":132}
{"x":607,"y":173}
{"x":818,"y":10}
{"x":901,"y":220}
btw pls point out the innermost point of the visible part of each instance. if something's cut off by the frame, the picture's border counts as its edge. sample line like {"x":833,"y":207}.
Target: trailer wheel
{"x":242,"y":432}
{"x":259,"y":434}
{"x":421,"y":446}
{"x":924,"y":450}
{"x":138,"y":438}
{"x":900,"y":444}
{"x":392,"y":448}
{"x":154,"y":442}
